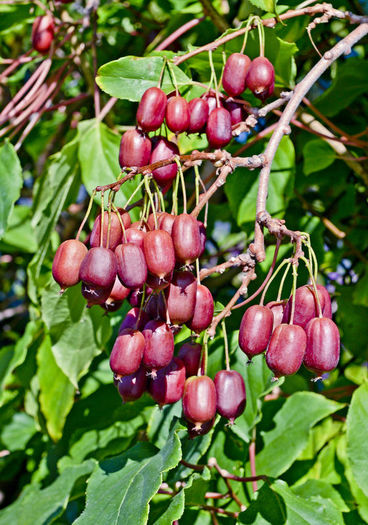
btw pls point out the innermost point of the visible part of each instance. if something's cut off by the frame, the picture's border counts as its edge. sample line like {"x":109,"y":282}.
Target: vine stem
{"x":226,"y":345}
{"x":86,"y":215}
{"x":179,"y":32}
{"x":252,"y":460}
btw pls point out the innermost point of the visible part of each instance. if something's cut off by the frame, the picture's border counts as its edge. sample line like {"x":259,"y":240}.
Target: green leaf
{"x":129,"y":77}
{"x":266,"y":5}
{"x":242,"y":186}
{"x":360,"y":293}
{"x":18,"y":432}
{"x":284,"y":443}
{"x":19,"y":235}
{"x":268,"y":508}
{"x":357,"y":426}
{"x":318,"y":155}
{"x":314,"y":488}
{"x":307,"y":511}
{"x":43,"y":506}
{"x":120,"y":488}
{"x":56,"y":391}
{"x":73,"y":330}
{"x":13,"y":17}
{"x":11,"y":182}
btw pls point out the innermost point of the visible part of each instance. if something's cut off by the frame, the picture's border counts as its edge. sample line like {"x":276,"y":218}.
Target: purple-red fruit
{"x":177,"y":114}
{"x":218,"y":128}
{"x":151,"y":109}
{"x":255,"y":330}
{"x":115,"y":234}
{"x":212,"y":103}
{"x":135,"y":236}
{"x":194,"y":431}
{"x":230,"y":394}
{"x":131,"y":320}
{"x":236,"y":110}
{"x":181,"y":297}
{"x":199,"y":400}
{"x":277,"y":308}
{"x":133,"y":386}
{"x":135,"y":149}
{"x":286,"y":350}
{"x":168,"y":386}
{"x":166,"y":222}
{"x":203,"y":310}
{"x":132,"y":268}
{"x":159,"y":346}
{"x":306,"y":307}
{"x":95,"y":294}
{"x":261,"y":77}
{"x":67,"y":261}
{"x":198,"y":115}
{"x":323,"y":345}
{"x":163,"y":149}
{"x":99,"y":268}
{"x":118,"y":292}
{"x":43,"y":30}
{"x":159,"y":253}
{"x":186,"y":238}
{"x":203,"y":237}
{"x":235,"y":73}
{"x":158,"y":283}
{"x":127,"y":352}
{"x":155,"y":307}
{"x":190,"y":354}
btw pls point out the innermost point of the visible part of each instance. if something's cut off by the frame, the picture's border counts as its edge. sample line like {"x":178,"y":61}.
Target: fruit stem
{"x":162,"y":72}
{"x":134,"y":192}
{"x":283,"y":282}
{"x":261,"y":37}
{"x":268,"y":280}
{"x":247,"y":27}
{"x":181,"y":174}
{"x":111,"y":193}
{"x":172,"y":72}
{"x":120,"y":220}
{"x":150,"y":196}
{"x":252,"y":460}
{"x":86,"y":215}
{"x":141,"y":306}
{"x":202,"y":370}
{"x":197,"y":177}
{"x":315,"y":291}
{"x":174,"y":209}
{"x":102,"y":219}
{"x":159,"y":194}
{"x":226,"y":344}
{"x":295,"y":277}
{"x":213,"y":74}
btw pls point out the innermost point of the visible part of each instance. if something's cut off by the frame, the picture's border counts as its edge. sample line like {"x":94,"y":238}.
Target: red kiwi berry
{"x":43,"y":30}
{"x":194,"y":431}
{"x":163,"y":149}
{"x":218,"y":130}
{"x":95,"y":294}
{"x":203,"y":237}
{"x":135,"y":149}
{"x":255,"y":330}
{"x":261,"y":77}
{"x":134,"y":319}
{"x":99,"y":268}
{"x":203,"y":310}
{"x":166,"y":222}
{"x":190,"y":354}
{"x":323,"y":345}
{"x":230,"y":394}
{"x":236,"y":110}
{"x":127,"y":352}
{"x":133,"y":386}
{"x":115,"y":234}
{"x":135,"y":236}
{"x":118,"y":292}
{"x":198,"y":115}
{"x":177,"y":114}
{"x":306,"y":307}
{"x":181,"y":297}
{"x":159,"y":253}
{"x":66,"y":263}
{"x":199,"y":400}
{"x":277,"y":308}
{"x":132,"y":268}
{"x":158,"y":283}
{"x":235,"y":73}
{"x":159,"y":346}
{"x":151,"y":109}
{"x":156,"y":307}
{"x":286,"y":350}
{"x":186,"y":238}
{"x":212,"y":103}
{"x":168,"y":386}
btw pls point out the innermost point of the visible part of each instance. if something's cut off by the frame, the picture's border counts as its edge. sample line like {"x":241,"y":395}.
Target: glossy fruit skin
{"x":186,"y":238}
{"x":230,"y":394}
{"x":195,"y":431}
{"x":199,"y":399}
{"x":135,"y":236}
{"x":166,"y":222}
{"x":235,"y":73}
{"x":127,"y":352}
{"x":323,"y":345}
{"x":43,"y":30}
{"x":286,"y":350}
{"x":99,"y":268}
{"x":67,"y":261}
{"x":218,"y":129}
{"x":236,"y":110}
{"x":135,"y":149}
{"x":255,"y":330}
{"x":95,"y":294}
{"x":133,"y":386}
{"x":306,"y":307}
{"x":203,"y":310}
{"x":156,"y":307}
{"x":132,"y":268}
{"x":261,"y":77}
{"x":118,"y":292}
{"x":277,"y":308}
{"x":131,"y":318}
{"x":198,"y":115}
{"x":159,"y":253}
{"x":151,"y":109}
{"x":115,"y":229}
{"x":203,"y":237}
{"x":212,"y":103}
{"x":177,"y":114}
{"x":168,"y":386}
{"x":159,"y":346}
{"x":163,"y":149}
{"x":181,"y":297}
{"x":158,"y":283}
{"x":190,"y":354}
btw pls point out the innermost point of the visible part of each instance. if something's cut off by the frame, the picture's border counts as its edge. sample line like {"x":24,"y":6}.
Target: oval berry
{"x":218,"y":130}
{"x":230,"y":394}
{"x":95,"y":294}
{"x":127,"y":352}
{"x":132,"y":268}
{"x":116,"y":232}
{"x":190,"y":354}
{"x":255,"y":330}
{"x":99,"y":268}
{"x":159,"y":253}
{"x":236,"y":110}
{"x":43,"y":30}
{"x":323,"y":345}
{"x":203,"y":310}
{"x":163,"y":149}
{"x":168,"y":386}
{"x":159,"y":346}
{"x":181,"y":297}
{"x":135,"y":236}
{"x":151,"y":109}
{"x":67,"y":261}
{"x":235,"y":73}
{"x":306,"y":307}
{"x":198,"y":115}
{"x":133,"y":386}
{"x":199,"y":400}
{"x":135,"y":149}
{"x":177,"y":114}
{"x":261,"y":77}
{"x":186,"y":238}
{"x":286,"y":350}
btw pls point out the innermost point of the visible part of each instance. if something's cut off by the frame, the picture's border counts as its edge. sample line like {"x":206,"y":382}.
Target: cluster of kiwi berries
{"x":43,"y":31}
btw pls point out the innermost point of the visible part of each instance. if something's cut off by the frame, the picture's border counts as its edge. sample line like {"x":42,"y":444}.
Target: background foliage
{"x":62,"y":423}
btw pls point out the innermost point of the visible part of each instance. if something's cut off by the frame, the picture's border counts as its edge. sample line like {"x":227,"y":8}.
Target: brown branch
{"x":179,"y":32}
